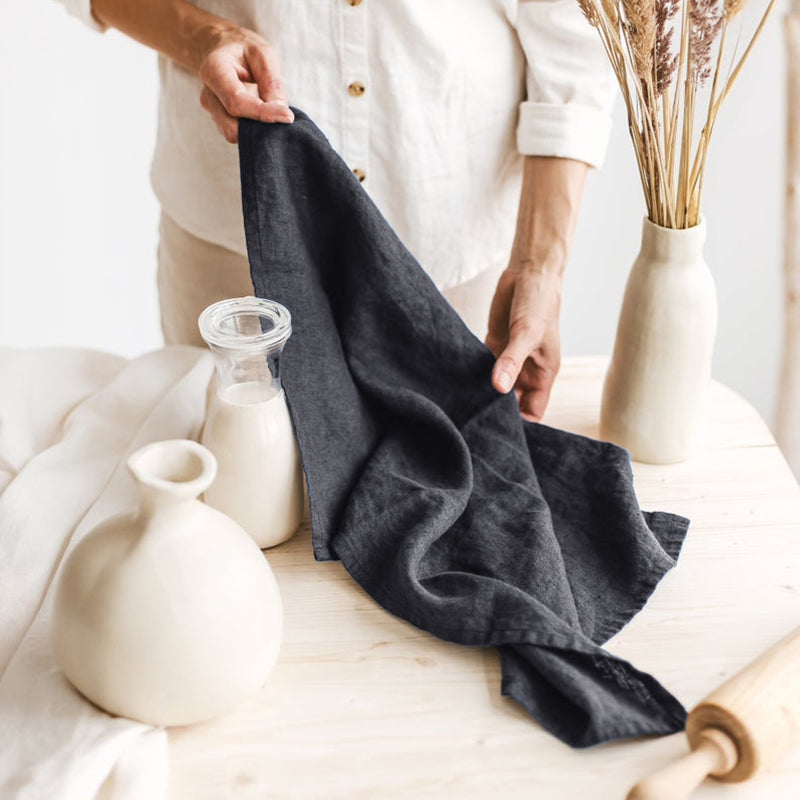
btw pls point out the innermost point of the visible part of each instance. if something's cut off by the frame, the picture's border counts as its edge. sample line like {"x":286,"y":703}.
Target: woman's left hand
{"x":523,"y":319}
{"x":523,"y":335}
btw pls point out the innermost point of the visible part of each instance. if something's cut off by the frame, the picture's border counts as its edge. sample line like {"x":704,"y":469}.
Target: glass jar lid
{"x":246,"y":323}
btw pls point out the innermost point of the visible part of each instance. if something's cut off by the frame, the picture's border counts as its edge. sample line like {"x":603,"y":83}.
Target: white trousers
{"x":193,"y":273}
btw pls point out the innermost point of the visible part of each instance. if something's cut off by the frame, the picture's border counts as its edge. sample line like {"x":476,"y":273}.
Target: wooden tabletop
{"x":364,"y":705}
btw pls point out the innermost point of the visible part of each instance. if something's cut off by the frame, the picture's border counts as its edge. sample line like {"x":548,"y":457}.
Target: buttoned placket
{"x":355,"y":85}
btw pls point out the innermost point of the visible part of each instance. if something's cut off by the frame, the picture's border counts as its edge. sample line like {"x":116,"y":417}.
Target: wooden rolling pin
{"x":742,"y":727}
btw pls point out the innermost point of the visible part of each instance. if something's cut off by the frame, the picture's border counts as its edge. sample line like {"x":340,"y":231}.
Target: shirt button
{"x":356,"y":88}
{"x":360,"y":174}
{"x":354,"y":2}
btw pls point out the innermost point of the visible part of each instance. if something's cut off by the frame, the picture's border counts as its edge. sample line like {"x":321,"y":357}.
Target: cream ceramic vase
{"x":169,"y":615}
{"x":654,"y":396}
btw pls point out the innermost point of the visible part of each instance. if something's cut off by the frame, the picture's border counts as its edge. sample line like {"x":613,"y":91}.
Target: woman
{"x":458,"y":116}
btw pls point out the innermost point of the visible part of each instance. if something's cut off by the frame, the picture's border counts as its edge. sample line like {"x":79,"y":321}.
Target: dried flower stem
{"x":698,"y":166}
{"x":682,"y":57}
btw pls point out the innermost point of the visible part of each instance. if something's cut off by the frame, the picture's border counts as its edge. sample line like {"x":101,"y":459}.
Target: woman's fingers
{"x":524,"y":336}
{"x":499,"y":310}
{"x":537,"y":382}
{"x":263,"y":63}
{"x":526,"y":329}
{"x":241,"y":78}
{"x":220,"y":74}
{"x":227,"y":125}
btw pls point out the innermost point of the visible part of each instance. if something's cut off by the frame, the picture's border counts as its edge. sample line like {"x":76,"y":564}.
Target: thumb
{"x":525,"y":335}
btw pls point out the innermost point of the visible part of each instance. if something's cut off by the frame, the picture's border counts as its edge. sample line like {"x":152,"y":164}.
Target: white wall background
{"x":78,"y":218}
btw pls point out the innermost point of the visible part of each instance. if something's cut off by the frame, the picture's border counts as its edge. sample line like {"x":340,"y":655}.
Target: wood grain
{"x":363,"y":705}
{"x":787,"y":420}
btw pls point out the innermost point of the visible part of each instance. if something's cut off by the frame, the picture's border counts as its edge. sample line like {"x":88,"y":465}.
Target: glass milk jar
{"x":259,"y":479}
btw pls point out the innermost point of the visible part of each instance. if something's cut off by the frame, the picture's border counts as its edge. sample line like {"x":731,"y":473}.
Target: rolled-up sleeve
{"x":82,"y":9}
{"x":570,"y":84}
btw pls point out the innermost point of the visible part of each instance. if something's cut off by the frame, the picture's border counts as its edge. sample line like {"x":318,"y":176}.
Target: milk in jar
{"x":248,"y":428}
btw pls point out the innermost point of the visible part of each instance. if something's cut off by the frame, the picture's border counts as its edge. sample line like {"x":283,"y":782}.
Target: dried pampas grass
{"x":640,"y":26}
{"x":663,"y":81}
{"x":666,"y":60}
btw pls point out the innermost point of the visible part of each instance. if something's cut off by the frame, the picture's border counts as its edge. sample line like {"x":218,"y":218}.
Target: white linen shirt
{"x":454,"y":93}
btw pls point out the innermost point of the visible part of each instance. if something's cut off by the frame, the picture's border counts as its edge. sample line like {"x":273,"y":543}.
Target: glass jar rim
{"x":212,"y":319}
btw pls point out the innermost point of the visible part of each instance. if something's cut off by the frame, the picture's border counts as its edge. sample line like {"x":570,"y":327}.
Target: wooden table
{"x":363,"y":705}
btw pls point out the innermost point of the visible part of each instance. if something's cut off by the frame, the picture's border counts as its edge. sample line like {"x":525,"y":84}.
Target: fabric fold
{"x":71,"y":476}
{"x":447,"y":507}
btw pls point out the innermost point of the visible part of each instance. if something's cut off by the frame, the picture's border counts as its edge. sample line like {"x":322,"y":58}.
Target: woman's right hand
{"x":238,"y":68}
{"x":241,"y":78}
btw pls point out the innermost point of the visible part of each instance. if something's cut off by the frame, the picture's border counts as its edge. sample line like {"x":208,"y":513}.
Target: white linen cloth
{"x":68,"y":421}
{"x":454,"y":91}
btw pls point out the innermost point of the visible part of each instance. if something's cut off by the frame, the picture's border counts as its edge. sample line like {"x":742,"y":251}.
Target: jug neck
{"x":171,"y":472}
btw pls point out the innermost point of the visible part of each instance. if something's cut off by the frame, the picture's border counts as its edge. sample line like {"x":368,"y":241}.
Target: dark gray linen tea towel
{"x":447,"y":507}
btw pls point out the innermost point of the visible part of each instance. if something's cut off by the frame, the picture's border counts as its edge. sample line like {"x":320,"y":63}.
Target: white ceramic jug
{"x":655,"y":392}
{"x":169,"y":615}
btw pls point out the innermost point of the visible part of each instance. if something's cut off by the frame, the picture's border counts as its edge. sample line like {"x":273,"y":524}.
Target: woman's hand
{"x":523,"y":335}
{"x":523,"y":320}
{"x":238,"y":68}
{"x":241,"y":78}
